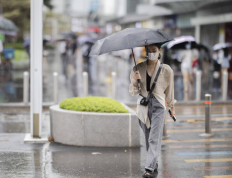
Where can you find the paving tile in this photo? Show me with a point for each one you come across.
(199, 140)
(219, 168)
(198, 146)
(204, 153)
(220, 176)
(208, 160)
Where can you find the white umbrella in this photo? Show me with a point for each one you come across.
(6, 24)
(221, 45)
(84, 38)
(179, 40)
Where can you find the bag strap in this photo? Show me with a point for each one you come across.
(154, 83)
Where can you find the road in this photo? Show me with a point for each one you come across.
(183, 153)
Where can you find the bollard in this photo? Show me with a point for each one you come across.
(85, 84)
(198, 85)
(224, 85)
(114, 84)
(25, 87)
(55, 87)
(207, 116)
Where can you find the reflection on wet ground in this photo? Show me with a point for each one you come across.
(18, 121)
(183, 154)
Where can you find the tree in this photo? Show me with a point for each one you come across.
(19, 12)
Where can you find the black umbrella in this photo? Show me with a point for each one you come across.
(201, 46)
(129, 38)
(69, 35)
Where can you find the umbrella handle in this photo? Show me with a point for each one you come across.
(139, 83)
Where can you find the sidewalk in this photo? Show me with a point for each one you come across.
(184, 153)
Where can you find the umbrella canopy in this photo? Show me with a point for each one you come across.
(201, 46)
(129, 39)
(6, 24)
(60, 38)
(27, 42)
(85, 39)
(181, 41)
(69, 34)
(221, 45)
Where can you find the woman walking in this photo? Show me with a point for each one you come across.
(151, 117)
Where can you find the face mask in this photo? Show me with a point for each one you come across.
(187, 46)
(153, 56)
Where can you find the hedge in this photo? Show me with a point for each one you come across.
(93, 104)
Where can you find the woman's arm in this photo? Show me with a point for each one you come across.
(133, 88)
(169, 93)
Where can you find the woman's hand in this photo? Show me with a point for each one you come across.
(172, 111)
(136, 76)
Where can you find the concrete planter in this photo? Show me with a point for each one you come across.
(94, 129)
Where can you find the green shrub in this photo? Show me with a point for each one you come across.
(21, 55)
(14, 45)
(93, 104)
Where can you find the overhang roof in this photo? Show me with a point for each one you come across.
(183, 6)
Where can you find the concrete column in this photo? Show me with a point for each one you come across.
(198, 85)
(25, 87)
(224, 85)
(55, 87)
(222, 33)
(85, 84)
(198, 33)
(36, 67)
(114, 84)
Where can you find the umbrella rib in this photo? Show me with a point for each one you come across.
(162, 35)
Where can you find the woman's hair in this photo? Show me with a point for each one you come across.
(157, 44)
(226, 52)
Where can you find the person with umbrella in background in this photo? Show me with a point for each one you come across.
(222, 57)
(142, 77)
(185, 55)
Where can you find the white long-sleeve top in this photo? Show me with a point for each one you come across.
(163, 91)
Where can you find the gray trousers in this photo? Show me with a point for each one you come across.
(153, 135)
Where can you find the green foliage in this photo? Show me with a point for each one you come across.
(14, 45)
(50, 46)
(21, 55)
(19, 12)
(93, 104)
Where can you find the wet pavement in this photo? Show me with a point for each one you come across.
(184, 154)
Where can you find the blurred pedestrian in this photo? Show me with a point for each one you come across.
(69, 59)
(186, 69)
(74, 46)
(216, 72)
(62, 50)
(1, 50)
(195, 63)
(151, 117)
(86, 48)
(225, 57)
